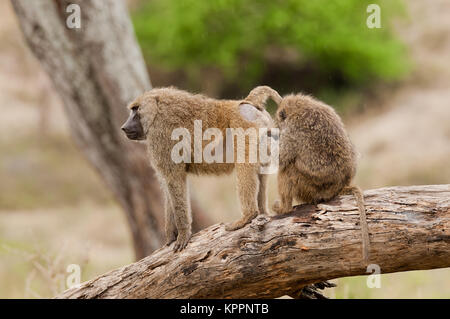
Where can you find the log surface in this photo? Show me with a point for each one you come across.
(274, 256)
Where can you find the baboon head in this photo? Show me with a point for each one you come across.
(291, 110)
(285, 108)
(133, 127)
(142, 113)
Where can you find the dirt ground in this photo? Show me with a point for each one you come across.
(54, 212)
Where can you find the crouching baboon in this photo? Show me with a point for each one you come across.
(163, 116)
(317, 159)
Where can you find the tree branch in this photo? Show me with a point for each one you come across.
(275, 256)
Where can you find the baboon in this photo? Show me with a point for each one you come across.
(156, 114)
(317, 159)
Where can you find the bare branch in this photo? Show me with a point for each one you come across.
(275, 256)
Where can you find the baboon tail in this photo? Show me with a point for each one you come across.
(356, 191)
(259, 96)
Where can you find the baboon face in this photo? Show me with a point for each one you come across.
(143, 111)
(133, 126)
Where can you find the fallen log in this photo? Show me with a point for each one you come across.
(278, 255)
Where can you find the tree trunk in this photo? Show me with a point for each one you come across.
(97, 70)
(275, 256)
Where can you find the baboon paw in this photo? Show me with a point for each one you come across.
(171, 237)
(181, 242)
(234, 226)
(170, 240)
(263, 211)
(276, 207)
(240, 223)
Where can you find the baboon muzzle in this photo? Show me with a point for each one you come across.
(133, 127)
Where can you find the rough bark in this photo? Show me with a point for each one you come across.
(97, 70)
(274, 256)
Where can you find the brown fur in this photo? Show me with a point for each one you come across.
(165, 109)
(317, 158)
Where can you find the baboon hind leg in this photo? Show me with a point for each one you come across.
(262, 194)
(284, 205)
(247, 185)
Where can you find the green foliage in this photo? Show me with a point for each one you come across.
(234, 35)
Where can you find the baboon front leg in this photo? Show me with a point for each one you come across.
(170, 227)
(284, 205)
(247, 186)
(179, 198)
(262, 194)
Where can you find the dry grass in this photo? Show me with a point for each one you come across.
(46, 172)
(37, 246)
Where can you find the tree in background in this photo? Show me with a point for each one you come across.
(296, 44)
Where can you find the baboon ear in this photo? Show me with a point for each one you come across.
(282, 115)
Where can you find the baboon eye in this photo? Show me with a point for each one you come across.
(282, 115)
(135, 108)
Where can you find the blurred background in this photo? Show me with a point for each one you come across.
(390, 85)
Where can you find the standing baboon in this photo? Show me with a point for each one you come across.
(160, 113)
(317, 158)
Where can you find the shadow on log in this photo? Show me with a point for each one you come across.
(275, 256)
